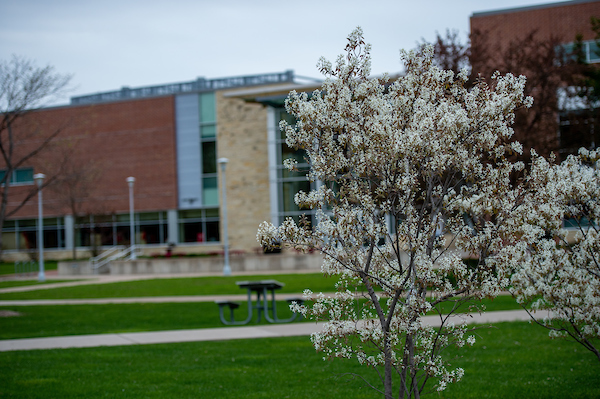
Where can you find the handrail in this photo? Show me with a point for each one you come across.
(106, 253)
(109, 255)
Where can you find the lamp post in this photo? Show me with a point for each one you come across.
(227, 268)
(130, 182)
(39, 179)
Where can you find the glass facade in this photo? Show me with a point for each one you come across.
(199, 225)
(110, 230)
(21, 235)
(290, 182)
(208, 148)
(19, 176)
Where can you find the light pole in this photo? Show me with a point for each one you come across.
(226, 269)
(39, 179)
(130, 181)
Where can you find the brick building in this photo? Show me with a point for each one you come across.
(563, 19)
(169, 138)
(528, 40)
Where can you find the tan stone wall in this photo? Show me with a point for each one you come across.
(242, 138)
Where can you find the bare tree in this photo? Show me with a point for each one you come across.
(76, 180)
(24, 87)
(449, 51)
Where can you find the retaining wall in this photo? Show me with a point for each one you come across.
(213, 264)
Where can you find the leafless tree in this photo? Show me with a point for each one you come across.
(75, 183)
(24, 87)
(450, 52)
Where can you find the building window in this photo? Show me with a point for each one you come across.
(208, 149)
(19, 176)
(196, 132)
(591, 51)
(199, 225)
(111, 230)
(288, 182)
(578, 128)
(21, 235)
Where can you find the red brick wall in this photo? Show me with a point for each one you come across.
(114, 141)
(563, 21)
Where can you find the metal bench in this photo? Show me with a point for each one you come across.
(231, 305)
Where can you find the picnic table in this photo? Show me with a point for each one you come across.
(263, 304)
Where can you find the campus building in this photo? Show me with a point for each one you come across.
(504, 39)
(169, 139)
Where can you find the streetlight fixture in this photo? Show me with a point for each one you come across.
(227, 268)
(130, 181)
(39, 179)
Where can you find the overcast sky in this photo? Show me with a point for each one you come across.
(113, 43)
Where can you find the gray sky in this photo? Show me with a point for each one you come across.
(113, 43)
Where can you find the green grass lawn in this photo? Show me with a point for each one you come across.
(514, 360)
(294, 283)
(9, 267)
(24, 283)
(42, 321)
(46, 321)
(519, 360)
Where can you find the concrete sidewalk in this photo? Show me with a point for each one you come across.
(218, 334)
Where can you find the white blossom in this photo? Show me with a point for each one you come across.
(407, 192)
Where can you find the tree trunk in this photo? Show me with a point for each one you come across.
(407, 387)
(387, 381)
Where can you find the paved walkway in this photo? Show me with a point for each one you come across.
(161, 337)
(215, 334)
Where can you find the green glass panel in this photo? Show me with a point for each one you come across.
(212, 212)
(51, 222)
(208, 130)
(284, 116)
(594, 52)
(191, 214)
(24, 175)
(209, 157)
(285, 173)
(207, 107)
(289, 191)
(27, 223)
(8, 224)
(147, 216)
(287, 152)
(120, 218)
(2, 174)
(210, 191)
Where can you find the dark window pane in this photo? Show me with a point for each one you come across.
(209, 157)
(289, 191)
(192, 232)
(212, 231)
(287, 152)
(150, 234)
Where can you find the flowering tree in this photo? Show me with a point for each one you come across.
(559, 272)
(401, 167)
